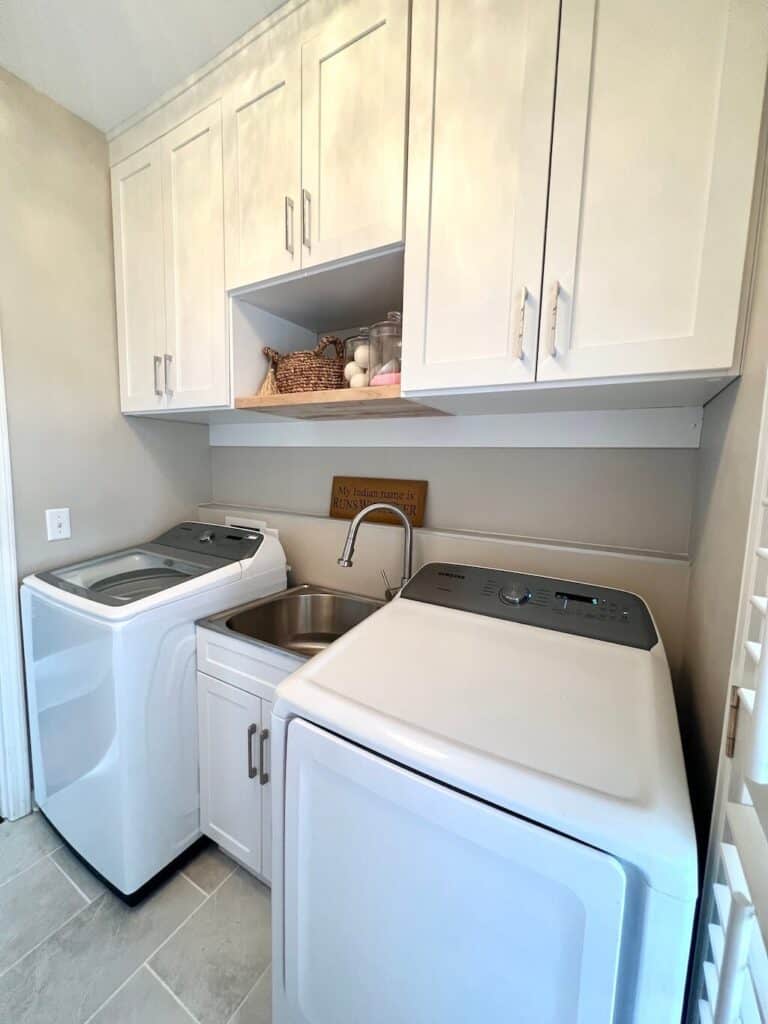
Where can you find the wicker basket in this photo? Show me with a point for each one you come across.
(309, 371)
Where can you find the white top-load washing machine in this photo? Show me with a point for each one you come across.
(481, 813)
(109, 650)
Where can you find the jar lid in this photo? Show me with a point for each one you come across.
(391, 326)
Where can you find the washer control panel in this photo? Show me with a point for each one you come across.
(229, 543)
(578, 608)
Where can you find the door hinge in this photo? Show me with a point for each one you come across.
(733, 718)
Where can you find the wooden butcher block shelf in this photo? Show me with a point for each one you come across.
(338, 404)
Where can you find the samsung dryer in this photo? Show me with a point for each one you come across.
(109, 651)
(481, 813)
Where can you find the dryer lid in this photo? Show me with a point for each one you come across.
(576, 733)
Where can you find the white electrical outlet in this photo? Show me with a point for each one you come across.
(57, 523)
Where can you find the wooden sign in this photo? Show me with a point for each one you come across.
(350, 494)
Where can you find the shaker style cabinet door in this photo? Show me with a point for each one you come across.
(197, 349)
(652, 179)
(262, 125)
(137, 214)
(482, 92)
(230, 793)
(353, 131)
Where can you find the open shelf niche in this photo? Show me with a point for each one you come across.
(291, 313)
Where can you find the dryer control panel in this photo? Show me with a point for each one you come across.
(599, 613)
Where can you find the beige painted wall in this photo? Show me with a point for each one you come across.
(627, 499)
(721, 514)
(124, 479)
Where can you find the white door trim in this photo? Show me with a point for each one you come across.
(15, 788)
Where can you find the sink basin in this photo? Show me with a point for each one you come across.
(303, 620)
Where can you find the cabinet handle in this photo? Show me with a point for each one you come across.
(289, 230)
(553, 329)
(252, 770)
(167, 360)
(521, 324)
(158, 362)
(262, 740)
(306, 219)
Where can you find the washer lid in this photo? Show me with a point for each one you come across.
(180, 554)
(575, 733)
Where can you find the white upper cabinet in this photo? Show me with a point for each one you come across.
(137, 212)
(167, 203)
(482, 91)
(197, 367)
(262, 116)
(653, 163)
(354, 75)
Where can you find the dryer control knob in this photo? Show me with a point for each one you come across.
(515, 593)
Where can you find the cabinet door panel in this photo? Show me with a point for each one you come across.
(198, 373)
(482, 89)
(353, 131)
(652, 178)
(262, 119)
(137, 215)
(230, 801)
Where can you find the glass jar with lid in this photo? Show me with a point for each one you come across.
(386, 346)
(357, 359)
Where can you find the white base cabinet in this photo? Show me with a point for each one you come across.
(236, 681)
(234, 771)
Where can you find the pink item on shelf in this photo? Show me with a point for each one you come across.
(384, 378)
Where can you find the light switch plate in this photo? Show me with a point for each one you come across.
(57, 523)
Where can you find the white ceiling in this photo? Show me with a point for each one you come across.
(108, 59)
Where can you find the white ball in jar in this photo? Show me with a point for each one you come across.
(350, 370)
(359, 380)
(363, 356)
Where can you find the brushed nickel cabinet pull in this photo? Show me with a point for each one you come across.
(168, 359)
(262, 741)
(553, 331)
(521, 324)
(289, 221)
(158, 362)
(252, 769)
(306, 219)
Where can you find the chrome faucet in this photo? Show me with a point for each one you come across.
(354, 526)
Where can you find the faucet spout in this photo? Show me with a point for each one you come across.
(345, 560)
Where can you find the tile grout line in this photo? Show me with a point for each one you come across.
(44, 939)
(112, 995)
(243, 1001)
(157, 949)
(30, 866)
(191, 882)
(170, 991)
(70, 880)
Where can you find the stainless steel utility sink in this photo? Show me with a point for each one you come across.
(303, 620)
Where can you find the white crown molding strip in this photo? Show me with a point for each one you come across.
(634, 428)
(15, 789)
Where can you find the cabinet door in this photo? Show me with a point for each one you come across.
(229, 721)
(482, 92)
(653, 164)
(265, 778)
(353, 131)
(137, 215)
(262, 118)
(197, 347)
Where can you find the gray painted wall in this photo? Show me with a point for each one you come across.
(628, 499)
(721, 515)
(124, 479)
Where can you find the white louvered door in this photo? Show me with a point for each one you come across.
(730, 975)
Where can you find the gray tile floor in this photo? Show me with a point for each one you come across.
(198, 949)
